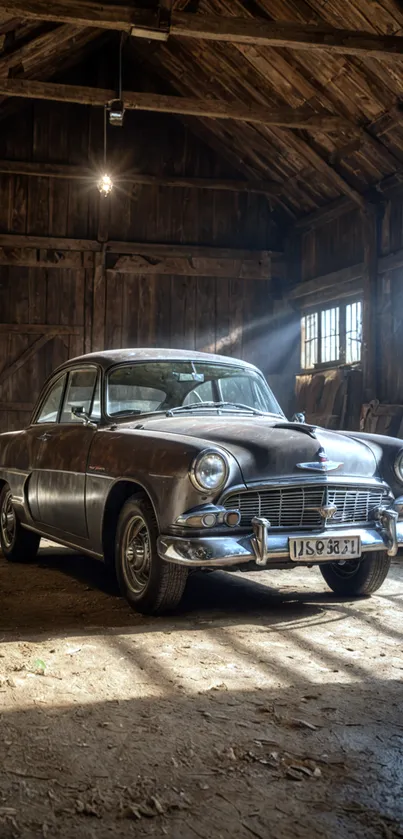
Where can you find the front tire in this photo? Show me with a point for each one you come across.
(149, 584)
(357, 579)
(16, 543)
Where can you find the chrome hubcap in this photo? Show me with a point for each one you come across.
(137, 555)
(7, 521)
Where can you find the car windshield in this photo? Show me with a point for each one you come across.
(185, 386)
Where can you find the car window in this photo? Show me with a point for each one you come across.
(49, 411)
(79, 393)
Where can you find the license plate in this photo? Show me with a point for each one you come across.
(329, 549)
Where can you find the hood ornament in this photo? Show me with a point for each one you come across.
(323, 464)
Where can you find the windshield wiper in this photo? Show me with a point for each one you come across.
(199, 406)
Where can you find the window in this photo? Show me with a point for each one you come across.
(80, 391)
(49, 411)
(151, 386)
(332, 335)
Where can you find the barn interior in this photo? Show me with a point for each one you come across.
(226, 176)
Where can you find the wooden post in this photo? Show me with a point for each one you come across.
(370, 343)
(99, 295)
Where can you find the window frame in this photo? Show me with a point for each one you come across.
(79, 368)
(66, 375)
(341, 305)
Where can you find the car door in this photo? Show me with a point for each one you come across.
(62, 458)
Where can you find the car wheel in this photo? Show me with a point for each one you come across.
(148, 583)
(357, 579)
(16, 542)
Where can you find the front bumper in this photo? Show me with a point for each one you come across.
(265, 547)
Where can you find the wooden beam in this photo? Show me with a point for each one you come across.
(256, 31)
(260, 32)
(40, 328)
(16, 240)
(193, 267)
(335, 280)
(52, 252)
(81, 173)
(154, 249)
(31, 258)
(284, 117)
(25, 356)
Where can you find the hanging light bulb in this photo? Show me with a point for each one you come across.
(105, 183)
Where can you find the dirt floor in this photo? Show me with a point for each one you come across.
(263, 708)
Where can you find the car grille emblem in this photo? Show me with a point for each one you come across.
(323, 464)
(327, 512)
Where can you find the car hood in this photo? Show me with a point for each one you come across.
(267, 447)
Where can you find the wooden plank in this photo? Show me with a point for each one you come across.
(256, 31)
(17, 406)
(334, 279)
(369, 354)
(87, 175)
(193, 267)
(40, 328)
(30, 257)
(99, 300)
(156, 249)
(25, 356)
(17, 240)
(284, 117)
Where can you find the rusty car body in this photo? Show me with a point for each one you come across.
(163, 461)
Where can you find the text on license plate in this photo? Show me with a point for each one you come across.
(329, 548)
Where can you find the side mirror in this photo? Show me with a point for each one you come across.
(298, 417)
(79, 412)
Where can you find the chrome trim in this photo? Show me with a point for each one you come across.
(234, 550)
(398, 505)
(192, 471)
(295, 480)
(259, 541)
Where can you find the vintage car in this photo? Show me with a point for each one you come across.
(163, 461)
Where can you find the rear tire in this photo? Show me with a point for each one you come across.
(16, 542)
(149, 584)
(357, 579)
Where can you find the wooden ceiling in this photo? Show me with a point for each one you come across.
(311, 106)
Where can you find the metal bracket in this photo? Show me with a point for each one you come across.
(158, 31)
(259, 540)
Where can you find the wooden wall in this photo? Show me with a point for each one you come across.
(232, 316)
(328, 253)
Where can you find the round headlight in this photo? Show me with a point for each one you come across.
(209, 471)
(399, 467)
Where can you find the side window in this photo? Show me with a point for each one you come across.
(50, 408)
(80, 389)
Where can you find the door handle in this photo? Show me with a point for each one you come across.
(44, 437)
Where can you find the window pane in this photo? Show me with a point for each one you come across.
(353, 332)
(309, 341)
(79, 393)
(330, 337)
(51, 405)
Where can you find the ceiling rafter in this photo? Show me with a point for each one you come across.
(258, 32)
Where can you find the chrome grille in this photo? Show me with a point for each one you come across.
(293, 507)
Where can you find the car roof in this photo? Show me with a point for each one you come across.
(108, 358)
